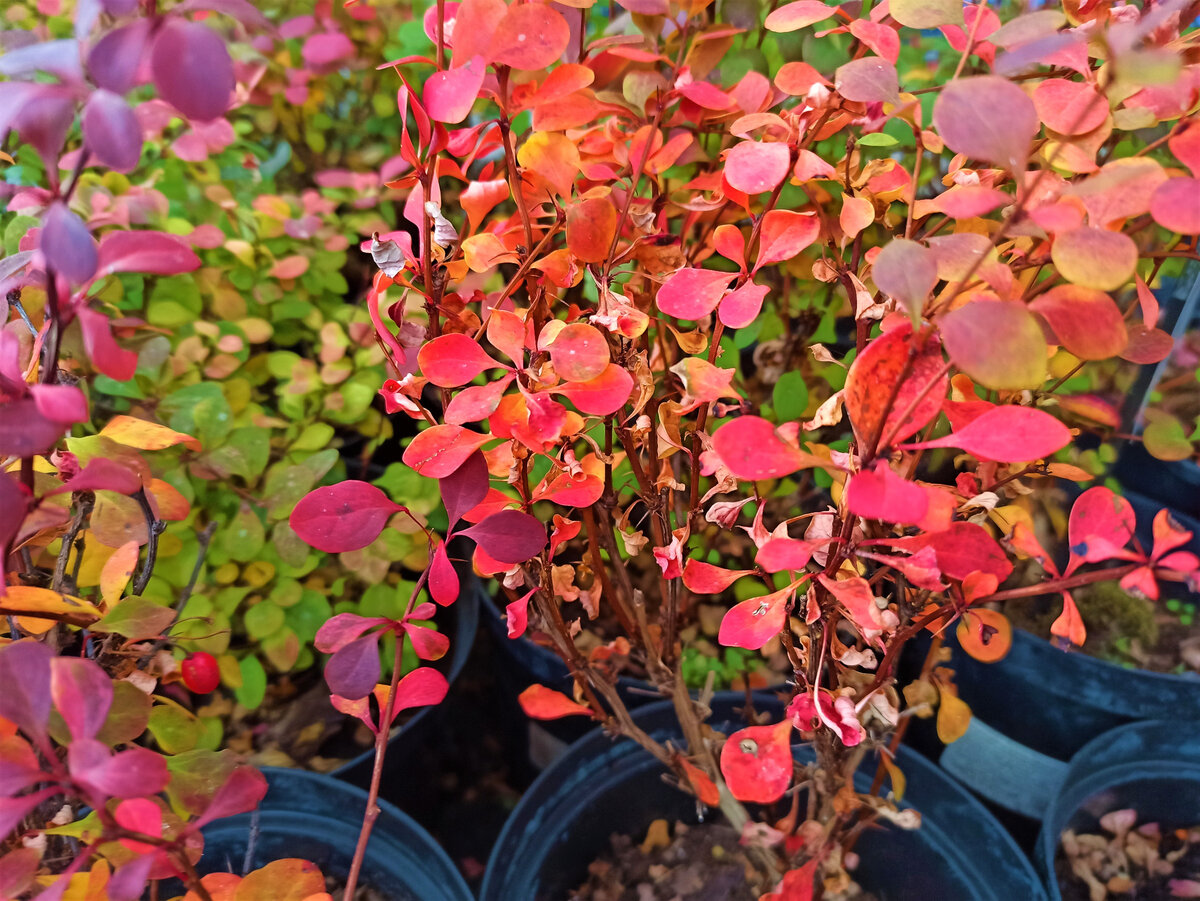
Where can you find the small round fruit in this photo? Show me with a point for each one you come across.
(200, 673)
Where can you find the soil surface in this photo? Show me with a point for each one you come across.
(696, 863)
(1140, 865)
(1160, 636)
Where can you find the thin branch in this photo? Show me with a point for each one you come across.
(154, 528)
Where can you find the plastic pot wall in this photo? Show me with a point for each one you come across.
(317, 818)
(1152, 767)
(601, 787)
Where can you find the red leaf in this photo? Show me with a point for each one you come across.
(1173, 205)
(1007, 434)
(753, 167)
(796, 885)
(441, 449)
(343, 517)
(704, 578)
(135, 773)
(1101, 524)
(798, 14)
(1069, 107)
(604, 394)
(1147, 345)
(544, 703)
(906, 271)
(450, 94)
(876, 370)
(1085, 321)
(516, 615)
(751, 624)
(741, 306)
(154, 253)
(476, 402)
(509, 536)
(443, 580)
(757, 762)
(64, 404)
(192, 69)
(856, 596)
(783, 235)
(240, 793)
(879, 493)
(423, 687)
(106, 355)
(139, 815)
(986, 117)
(692, 293)
(325, 49)
(868, 80)
(778, 554)
(752, 449)
(82, 694)
(962, 549)
(428, 644)
(101, 473)
(452, 360)
(530, 36)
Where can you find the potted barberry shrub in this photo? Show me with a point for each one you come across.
(568, 327)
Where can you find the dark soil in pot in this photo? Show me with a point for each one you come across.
(566, 819)
(703, 862)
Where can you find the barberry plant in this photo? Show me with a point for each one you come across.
(635, 241)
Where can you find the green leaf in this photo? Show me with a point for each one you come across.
(128, 716)
(263, 619)
(877, 139)
(790, 397)
(200, 410)
(136, 619)
(254, 683)
(243, 538)
(175, 729)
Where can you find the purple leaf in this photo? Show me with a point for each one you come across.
(443, 580)
(120, 7)
(136, 773)
(240, 793)
(323, 50)
(110, 358)
(113, 61)
(508, 536)
(63, 404)
(13, 99)
(192, 69)
(59, 58)
(129, 880)
(25, 675)
(344, 628)
(111, 131)
(343, 517)
(67, 244)
(45, 121)
(24, 431)
(464, 488)
(150, 252)
(13, 810)
(100, 473)
(82, 693)
(236, 9)
(13, 497)
(353, 672)
(18, 766)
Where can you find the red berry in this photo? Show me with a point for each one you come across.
(201, 673)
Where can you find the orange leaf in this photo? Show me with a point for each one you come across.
(544, 703)
(117, 571)
(985, 634)
(289, 879)
(702, 785)
(591, 224)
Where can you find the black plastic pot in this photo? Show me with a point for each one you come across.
(1036, 708)
(398, 783)
(1152, 767)
(317, 818)
(601, 787)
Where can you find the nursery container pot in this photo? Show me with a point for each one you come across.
(1152, 767)
(317, 818)
(601, 787)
